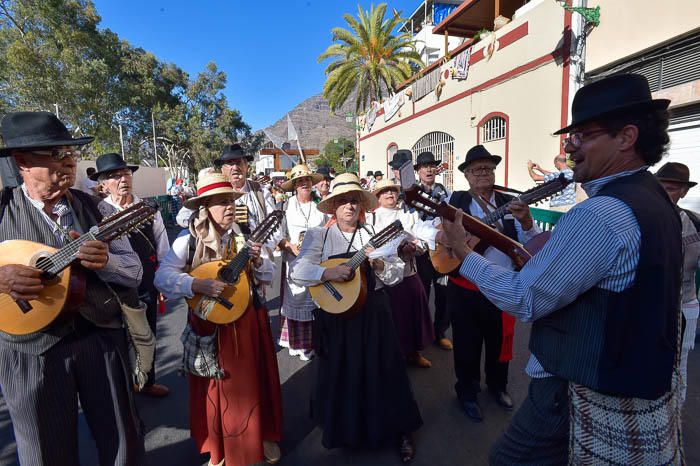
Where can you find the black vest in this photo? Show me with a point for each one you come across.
(143, 242)
(463, 200)
(624, 343)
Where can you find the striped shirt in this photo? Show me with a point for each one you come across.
(595, 244)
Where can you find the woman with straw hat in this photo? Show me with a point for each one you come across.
(362, 394)
(236, 416)
(300, 214)
(409, 303)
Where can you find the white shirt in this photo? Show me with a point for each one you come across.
(159, 232)
(173, 282)
(306, 269)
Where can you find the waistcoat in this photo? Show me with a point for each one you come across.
(623, 343)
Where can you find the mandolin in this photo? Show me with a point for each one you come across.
(349, 297)
(234, 300)
(445, 263)
(63, 287)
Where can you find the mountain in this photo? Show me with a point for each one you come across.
(315, 124)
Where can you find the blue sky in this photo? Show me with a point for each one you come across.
(268, 49)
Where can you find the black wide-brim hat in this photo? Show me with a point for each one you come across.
(425, 158)
(110, 162)
(35, 130)
(478, 152)
(325, 172)
(400, 157)
(614, 94)
(232, 152)
(675, 173)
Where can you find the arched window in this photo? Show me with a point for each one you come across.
(390, 151)
(442, 145)
(493, 129)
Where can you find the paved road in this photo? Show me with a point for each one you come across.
(447, 437)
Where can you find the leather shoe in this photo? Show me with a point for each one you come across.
(503, 399)
(272, 452)
(472, 410)
(419, 360)
(407, 450)
(445, 344)
(155, 390)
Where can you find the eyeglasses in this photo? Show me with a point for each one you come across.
(577, 139)
(58, 154)
(222, 202)
(119, 175)
(481, 170)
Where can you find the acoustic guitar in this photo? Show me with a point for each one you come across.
(64, 286)
(445, 263)
(235, 298)
(349, 297)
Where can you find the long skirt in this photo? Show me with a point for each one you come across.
(230, 418)
(411, 312)
(362, 394)
(296, 334)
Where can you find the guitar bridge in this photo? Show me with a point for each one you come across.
(333, 291)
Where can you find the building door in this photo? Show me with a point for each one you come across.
(684, 132)
(442, 145)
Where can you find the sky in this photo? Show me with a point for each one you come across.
(268, 49)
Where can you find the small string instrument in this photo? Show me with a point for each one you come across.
(233, 301)
(349, 297)
(64, 285)
(445, 263)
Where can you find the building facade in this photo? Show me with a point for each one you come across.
(510, 91)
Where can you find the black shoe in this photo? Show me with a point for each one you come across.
(503, 399)
(407, 449)
(472, 410)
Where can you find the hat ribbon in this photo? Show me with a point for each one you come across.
(354, 183)
(221, 184)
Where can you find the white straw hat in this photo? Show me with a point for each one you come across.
(383, 185)
(209, 185)
(298, 172)
(347, 183)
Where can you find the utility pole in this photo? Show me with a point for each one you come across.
(155, 146)
(56, 107)
(121, 139)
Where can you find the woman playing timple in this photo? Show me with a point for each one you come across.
(362, 394)
(236, 419)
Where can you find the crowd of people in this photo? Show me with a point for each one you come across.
(613, 314)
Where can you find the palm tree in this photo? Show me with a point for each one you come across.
(368, 59)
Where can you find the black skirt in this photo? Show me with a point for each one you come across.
(362, 395)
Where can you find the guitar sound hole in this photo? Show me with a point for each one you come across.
(45, 264)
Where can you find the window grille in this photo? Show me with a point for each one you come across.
(494, 129)
(442, 145)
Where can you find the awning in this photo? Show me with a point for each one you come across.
(473, 15)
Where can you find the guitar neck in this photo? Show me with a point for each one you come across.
(63, 258)
(358, 257)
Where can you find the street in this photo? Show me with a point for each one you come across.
(447, 437)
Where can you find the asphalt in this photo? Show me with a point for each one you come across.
(447, 437)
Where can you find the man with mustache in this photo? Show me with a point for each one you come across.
(81, 355)
(603, 295)
(150, 242)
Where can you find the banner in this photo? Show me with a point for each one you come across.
(392, 105)
(426, 84)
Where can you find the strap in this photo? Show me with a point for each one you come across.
(7, 195)
(191, 248)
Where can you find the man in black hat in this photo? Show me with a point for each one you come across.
(323, 187)
(233, 163)
(425, 167)
(80, 355)
(476, 322)
(675, 179)
(150, 242)
(602, 295)
(399, 158)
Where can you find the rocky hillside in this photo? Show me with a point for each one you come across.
(315, 123)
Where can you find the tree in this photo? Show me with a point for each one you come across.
(337, 153)
(367, 58)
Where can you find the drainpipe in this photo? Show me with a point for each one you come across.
(577, 69)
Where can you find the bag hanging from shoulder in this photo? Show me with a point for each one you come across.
(142, 343)
(199, 355)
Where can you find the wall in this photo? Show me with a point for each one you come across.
(148, 181)
(628, 28)
(523, 79)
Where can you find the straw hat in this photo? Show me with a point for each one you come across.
(347, 183)
(298, 172)
(384, 185)
(209, 185)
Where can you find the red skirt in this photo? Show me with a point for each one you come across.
(230, 418)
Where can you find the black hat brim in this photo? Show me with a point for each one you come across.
(6, 151)
(96, 175)
(220, 161)
(494, 158)
(690, 184)
(657, 104)
(434, 163)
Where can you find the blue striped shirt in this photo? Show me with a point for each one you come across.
(595, 244)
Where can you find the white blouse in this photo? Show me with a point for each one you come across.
(299, 218)
(307, 271)
(173, 282)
